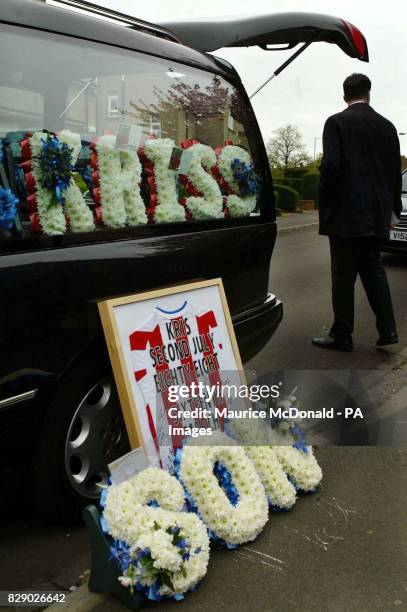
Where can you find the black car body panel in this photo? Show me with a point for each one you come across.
(50, 284)
(49, 317)
(47, 307)
(37, 15)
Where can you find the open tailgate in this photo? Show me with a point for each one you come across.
(264, 30)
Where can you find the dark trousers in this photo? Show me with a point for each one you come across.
(350, 257)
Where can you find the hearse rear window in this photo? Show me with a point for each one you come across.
(96, 137)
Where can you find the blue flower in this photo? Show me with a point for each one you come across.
(103, 525)
(125, 561)
(301, 445)
(153, 593)
(55, 163)
(245, 175)
(300, 441)
(103, 496)
(177, 462)
(8, 208)
(225, 480)
(178, 596)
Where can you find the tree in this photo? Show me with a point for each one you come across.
(286, 149)
(197, 103)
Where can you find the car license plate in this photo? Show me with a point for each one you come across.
(398, 235)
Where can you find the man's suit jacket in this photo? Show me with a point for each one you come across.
(360, 174)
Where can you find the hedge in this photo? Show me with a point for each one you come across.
(295, 172)
(288, 198)
(277, 199)
(294, 183)
(310, 186)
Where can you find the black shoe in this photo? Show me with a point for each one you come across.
(388, 339)
(336, 344)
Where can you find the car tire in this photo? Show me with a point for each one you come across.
(82, 433)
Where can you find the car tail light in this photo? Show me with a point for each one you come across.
(357, 38)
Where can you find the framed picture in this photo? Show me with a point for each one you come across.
(171, 338)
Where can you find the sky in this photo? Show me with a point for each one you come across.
(310, 89)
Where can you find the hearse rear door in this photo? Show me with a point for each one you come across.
(271, 32)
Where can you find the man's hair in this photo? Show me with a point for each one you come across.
(356, 86)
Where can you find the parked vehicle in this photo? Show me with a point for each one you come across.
(70, 84)
(397, 242)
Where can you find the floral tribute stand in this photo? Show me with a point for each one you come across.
(104, 572)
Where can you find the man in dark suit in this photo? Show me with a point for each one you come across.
(360, 190)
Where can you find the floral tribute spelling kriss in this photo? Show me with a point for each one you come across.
(160, 530)
(53, 195)
(129, 187)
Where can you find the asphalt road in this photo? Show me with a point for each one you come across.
(300, 276)
(341, 549)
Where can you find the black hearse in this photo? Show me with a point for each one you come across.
(90, 78)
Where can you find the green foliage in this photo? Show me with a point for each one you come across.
(294, 183)
(310, 186)
(80, 182)
(277, 199)
(276, 172)
(282, 181)
(295, 173)
(288, 198)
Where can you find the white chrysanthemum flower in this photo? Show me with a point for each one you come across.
(278, 463)
(238, 206)
(119, 179)
(126, 581)
(52, 217)
(168, 210)
(233, 524)
(302, 467)
(73, 141)
(130, 519)
(209, 206)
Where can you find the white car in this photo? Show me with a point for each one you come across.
(398, 234)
